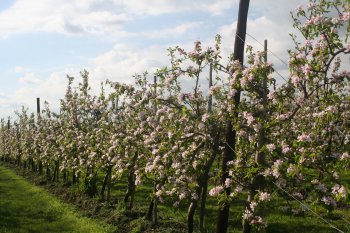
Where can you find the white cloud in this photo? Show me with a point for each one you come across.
(97, 17)
(158, 7)
(68, 17)
(123, 61)
(29, 78)
(170, 32)
(18, 69)
(51, 89)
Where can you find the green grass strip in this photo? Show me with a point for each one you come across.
(27, 208)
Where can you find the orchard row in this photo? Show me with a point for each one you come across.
(171, 129)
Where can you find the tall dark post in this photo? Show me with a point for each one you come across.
(229, 152)
(265, 50)
(8, 124)
(40, 165)
(38, 106)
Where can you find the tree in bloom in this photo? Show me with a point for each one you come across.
(292, 140)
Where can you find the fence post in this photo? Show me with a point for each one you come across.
(38, 106)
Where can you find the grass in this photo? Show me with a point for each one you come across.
(279, 217)
(27, 208)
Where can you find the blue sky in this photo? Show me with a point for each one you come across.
(41, 41)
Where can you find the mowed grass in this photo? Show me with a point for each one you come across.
(27, 208)
(278, 216)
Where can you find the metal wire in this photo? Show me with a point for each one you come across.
(275, 55)
(308, 208)
(268, 51)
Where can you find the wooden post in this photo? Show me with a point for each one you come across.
(230, 145)
(38, 106)
(265, 50)
(40, 165)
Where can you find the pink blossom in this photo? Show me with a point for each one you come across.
(182, 195)
(344, 156)
(253, 205)
(329, 201)
(307, 69)
(138, 180)
(228, 182)
(213, 89)
(247, 215)
(205, 117)
(285, 149)
(339, 191)
(214, 192)
(238, 189)
(257, 221)
(295, 80)
(271, 147)
(304, 138)
(346, 16)
(201, 126)
(159, 193)
(271, 95)
(264, 196)
(249, 117)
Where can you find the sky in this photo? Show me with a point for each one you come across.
(43, 41)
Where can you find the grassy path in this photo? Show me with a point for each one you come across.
(27, 208)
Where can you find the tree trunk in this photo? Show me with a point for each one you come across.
(152, 213)
(73, 177)
(155, 213)
(190, 215)
(150, 210)
(32, 164)
(105, 182)
(56, 172)
(203, 204)
(40, 168)
(48, 172)
(130, 193)
(64, 176)
(109, 188)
